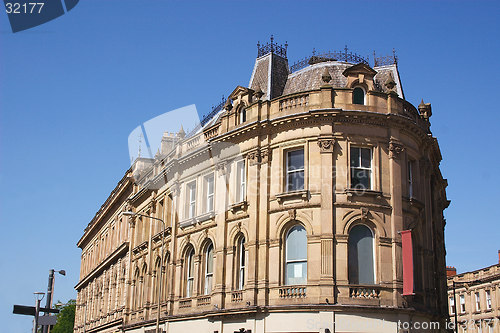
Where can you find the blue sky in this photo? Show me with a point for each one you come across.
(73, 89)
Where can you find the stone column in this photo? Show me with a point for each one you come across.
(253, 265)
(220, 278)
(395, 149)
(326, 146)
(262, 253)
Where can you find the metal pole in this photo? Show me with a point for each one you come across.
(456, 307)
(160, 277)
(50, 290)
(37, 311)
(161, 265)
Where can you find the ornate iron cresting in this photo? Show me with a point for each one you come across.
(206, 118)
(344, 55)
(385, 60)
(271, 47)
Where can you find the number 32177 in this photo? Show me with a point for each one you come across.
(25, 8)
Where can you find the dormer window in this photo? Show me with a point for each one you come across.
(358, 96)
(242, 116)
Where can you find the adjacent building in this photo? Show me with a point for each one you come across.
(474, 299)
(285, 212)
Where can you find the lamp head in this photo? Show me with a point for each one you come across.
(62, 272)
(39, 295)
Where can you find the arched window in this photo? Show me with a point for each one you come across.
(189, 273)
(144, 286)
(296, 256)
(209, 269)
(136, 282)
(240, 263)
(156, 279)
(242, 115)
(361, 259)
(164, 286)
(358, 96)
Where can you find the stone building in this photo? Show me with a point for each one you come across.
(296, 229)
(477, 294)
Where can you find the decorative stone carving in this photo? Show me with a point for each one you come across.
(326, 145)
(395, 149)
(222, 168)
(175, 189)
(253, 157)
(364, 213)
(326, 77)
(265, 155)
(292, 213)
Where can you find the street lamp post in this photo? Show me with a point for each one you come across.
(129, 213)
(38, 296)
(455, 300)
(50, 292)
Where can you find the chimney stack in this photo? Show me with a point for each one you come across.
(451, 271)
(499, 257)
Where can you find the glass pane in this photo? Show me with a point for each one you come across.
(210, 185)
(210, 259)
(361, 266)
(296, 159)
(360, 179)
(358, 96)
(192, 192)
(354, 157)
(242, 253)
(296, 244)
(296, 273)
(189, 288)
(366, 157)
(190, 265)
(296, 181)
(210, 206)
(208, 284)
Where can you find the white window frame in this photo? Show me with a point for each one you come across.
(452, 305)
(210, 196)
(288, 171)
(191, 199)
(241, 263)
(294, 261)
(240, 181)
(462, 303)
(242, 115)
(189, 274)
(208, 275)
(477, 299)
(370, 169)
(488, 299)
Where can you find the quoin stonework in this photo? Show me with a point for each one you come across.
(323, 212)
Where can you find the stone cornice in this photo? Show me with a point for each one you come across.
(122, 185)
(110, 259)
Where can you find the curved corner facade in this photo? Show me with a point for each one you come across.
(295, 227)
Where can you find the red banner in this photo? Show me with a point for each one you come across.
(407, 262)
